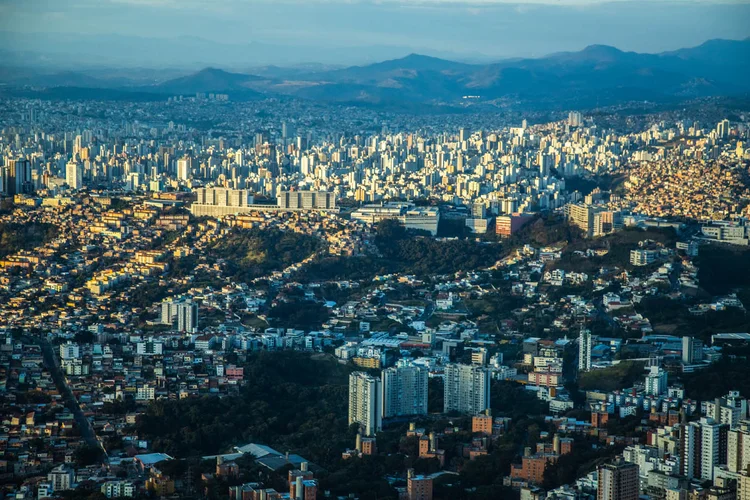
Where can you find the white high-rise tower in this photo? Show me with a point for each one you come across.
(584, 350)
(467, 388)
(74, 174)
(365, 400)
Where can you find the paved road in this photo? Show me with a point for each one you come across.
(53, 364)
(428, 311)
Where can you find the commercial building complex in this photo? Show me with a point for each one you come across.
(421, 218)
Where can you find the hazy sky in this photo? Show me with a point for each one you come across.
(494, 28)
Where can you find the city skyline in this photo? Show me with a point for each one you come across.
(361, 250)
(412, 295)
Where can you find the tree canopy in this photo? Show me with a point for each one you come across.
(15, 236)
(251, 253)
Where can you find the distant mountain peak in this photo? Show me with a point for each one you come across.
(417, 62)
(602, 49)
(209, 79)
(591, 54)
(210, 70)
(602, 53)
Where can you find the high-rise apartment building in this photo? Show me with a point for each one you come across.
(69, 350)
(306, 200)
(593, 220)
(217, 202)
(581, 216)
(478, 210)
(467, 388)
(287, 130)
(404, 390)
(575, 119)
(182, 314)
(618, 481)
(692, 350)
(187, 317)
(703, 445)
(743, 486)
(16, 177)
(365, 400)
(656, 381)
(584, 350)
(61, 478)
(508, 225)
(119, 489)
(643, 257)
(184, 169)
(730, 410)
(606, 222)
(738, 447)
(74, 175)
(722, 129)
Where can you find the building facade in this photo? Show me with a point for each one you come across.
(618, 481)
(404, 390)
(467, 388)
(365, 402)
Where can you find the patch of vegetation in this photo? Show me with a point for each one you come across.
(512, 399)
(251, 253)
(587, 455)
(718, 379)
(546, 231)
(425, 256)
(150, 293)
(87, 455)
(453, 228)
(618, 246)
(33, 397)
(119, 204)
(293, 402)
(409, 252)
(722, 269)
(304, 314)
(364, 477)
(673, 317)
(619, 376)
(6, 206)
(355, 268)
(299, 403)
(15, 237)
(497, 306)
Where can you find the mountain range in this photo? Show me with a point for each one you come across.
(596, 75)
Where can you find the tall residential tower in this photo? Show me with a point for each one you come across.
(618, 481)
(467, 388)
(404, 390)
(584, 350)
(365, 400)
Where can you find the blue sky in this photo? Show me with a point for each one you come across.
(471, 28)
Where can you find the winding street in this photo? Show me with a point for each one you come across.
(53, 364)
